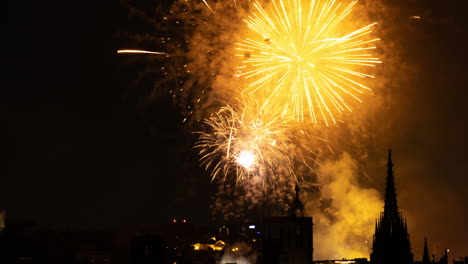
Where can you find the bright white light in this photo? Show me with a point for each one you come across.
(251, 226)
(246, 158)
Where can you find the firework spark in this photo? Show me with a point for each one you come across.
(299, 55)
(246, 141)
(209, 7)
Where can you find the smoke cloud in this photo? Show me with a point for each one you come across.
(345, 215)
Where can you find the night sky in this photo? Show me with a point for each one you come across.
(78, 155)
(81, 154)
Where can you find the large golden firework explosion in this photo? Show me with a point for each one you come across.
(303, 54)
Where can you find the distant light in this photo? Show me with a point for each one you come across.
(174, 221)
(258, 233)
(185, 221)
(415, 17)
(251, 226)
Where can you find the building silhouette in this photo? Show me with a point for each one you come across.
(2, 220)
(426, 259)
(391, 243)
(146, 249)
(288, 239)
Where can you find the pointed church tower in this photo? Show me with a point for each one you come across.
(391, 243)
(391, 204)
(426, 259)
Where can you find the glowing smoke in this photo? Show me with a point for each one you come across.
(345, 217)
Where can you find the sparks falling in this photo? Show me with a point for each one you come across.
(246, 142)
(300, 56)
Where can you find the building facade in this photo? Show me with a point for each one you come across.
(287, 240)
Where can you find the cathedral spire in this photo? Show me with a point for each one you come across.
(391, 243)
(391, 206)
(426, 259)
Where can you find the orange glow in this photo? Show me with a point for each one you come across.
(217, 246)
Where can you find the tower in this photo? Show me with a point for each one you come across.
(426, 259)
(288, 239)
(391, 240)
(297, 207)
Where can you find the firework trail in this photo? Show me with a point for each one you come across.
(297, 51)
(134, 51)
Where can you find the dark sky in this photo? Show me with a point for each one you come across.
(79, 154)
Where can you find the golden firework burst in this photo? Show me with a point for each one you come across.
(301, 55)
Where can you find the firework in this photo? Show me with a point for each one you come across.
(299, 54)
(246, 142)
